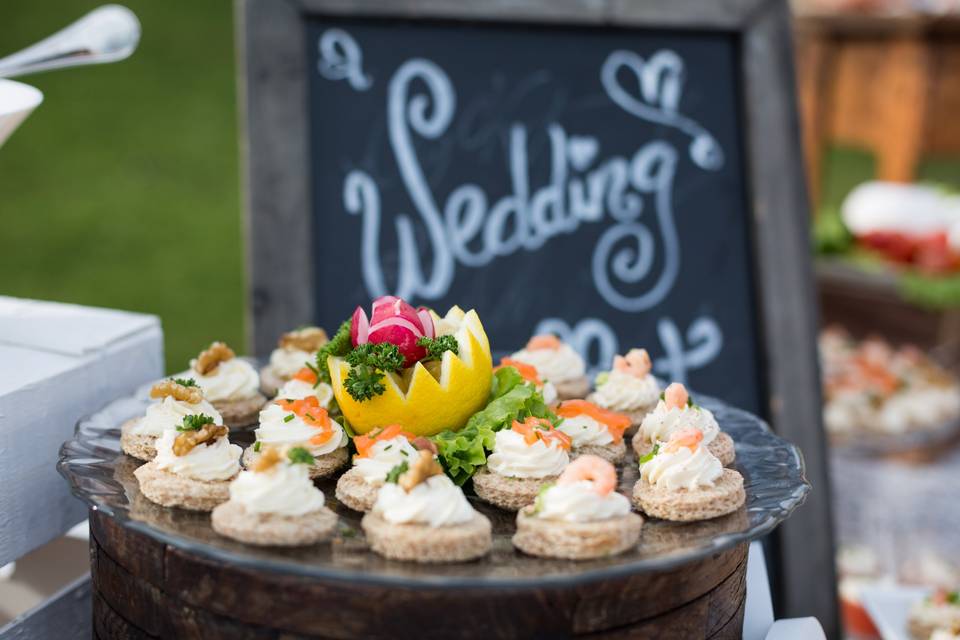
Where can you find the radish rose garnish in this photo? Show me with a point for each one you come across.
(395, 321)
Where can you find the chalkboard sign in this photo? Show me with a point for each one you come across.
(583, 181)
(619, 173)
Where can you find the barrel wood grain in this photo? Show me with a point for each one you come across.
(147, 589)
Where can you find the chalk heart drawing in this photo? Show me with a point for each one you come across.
(597, 343)
(659, 86)
(342, 59)
(581, 150)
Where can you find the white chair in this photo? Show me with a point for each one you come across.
(69, 360)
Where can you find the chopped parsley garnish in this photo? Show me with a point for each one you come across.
(385, 356)
(299, 455)
(339, 345)
(195, 422)
(288, 418)
(256, 446)
(953, 597)
(650, 456)
(436, 346)
(309, 416)
(368, 362)
(394, 474)
(388, 447)
(663, 395)
(364, 382)
(186, 382)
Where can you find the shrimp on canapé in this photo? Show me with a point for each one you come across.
(593, 469)
(676, 396)
(546, 341)
(689, 438)
(636, 363)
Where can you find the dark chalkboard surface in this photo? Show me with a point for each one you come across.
(583, 181)
(624, 173)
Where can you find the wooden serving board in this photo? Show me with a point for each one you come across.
(146, 589)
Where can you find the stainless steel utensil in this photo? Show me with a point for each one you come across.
(107, 34)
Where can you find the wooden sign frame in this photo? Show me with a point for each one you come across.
(273, 80)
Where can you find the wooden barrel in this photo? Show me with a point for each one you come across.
(146, 589)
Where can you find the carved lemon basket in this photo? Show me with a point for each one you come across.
(164, 573)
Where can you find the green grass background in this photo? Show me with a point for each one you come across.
(122, 189)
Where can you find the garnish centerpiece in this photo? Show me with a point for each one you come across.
(408, 366)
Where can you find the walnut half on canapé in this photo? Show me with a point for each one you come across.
(177, 390)
(422, 468)
(269, 456)
(192, 435)
(307, 339)
(210, 358)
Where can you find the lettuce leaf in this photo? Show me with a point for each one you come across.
(462, 452)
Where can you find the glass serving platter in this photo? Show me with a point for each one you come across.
(773, 470)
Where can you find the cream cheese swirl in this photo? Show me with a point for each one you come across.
(384, 456)
(298, 390)
(283, 490)
(437, 502)
(169, 414)
(217, 460)
(663, 422)
(234, 379)
(513, 457)
(682, 468)
(556, 365)
(578, 502)
(279, 429)
(285, 362)
(549, 393)
(585, 431)
(624, 392)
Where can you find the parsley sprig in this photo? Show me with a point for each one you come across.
(394, 474)
(195, 422)
(299, 455)
(186, 382)
(650, 456)
(368, 364)
(339, 345)
(436, 346)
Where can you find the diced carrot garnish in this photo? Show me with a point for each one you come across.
(533, 429)
(616, 423)
(527, 371)
(322, 438)
(317, 417)
(299, 406)
(546, 341)
(365, 442)
(306, 375)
